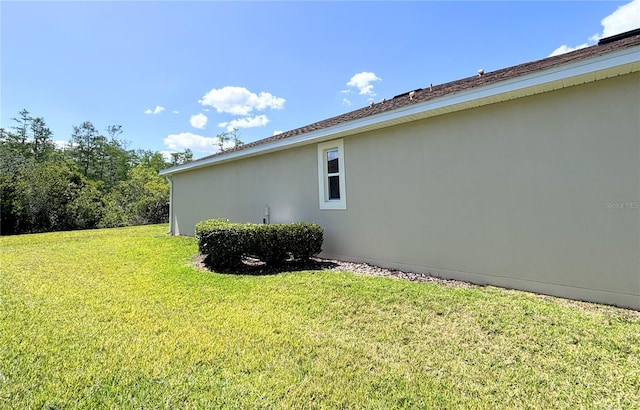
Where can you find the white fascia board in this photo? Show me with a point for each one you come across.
(528, 84)
(514, 87)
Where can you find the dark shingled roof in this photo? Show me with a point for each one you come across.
(606, 45)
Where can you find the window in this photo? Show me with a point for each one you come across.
(331, 181)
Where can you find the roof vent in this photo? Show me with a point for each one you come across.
(617, 37)
(408, 92)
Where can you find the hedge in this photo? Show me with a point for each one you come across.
(226, 243)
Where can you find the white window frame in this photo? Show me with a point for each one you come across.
(323, 176)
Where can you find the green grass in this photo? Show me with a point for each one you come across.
(119, 318)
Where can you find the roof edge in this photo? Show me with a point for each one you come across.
(516, 87)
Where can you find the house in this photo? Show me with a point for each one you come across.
(526, 177)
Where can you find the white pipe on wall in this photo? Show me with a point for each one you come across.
(171, 230)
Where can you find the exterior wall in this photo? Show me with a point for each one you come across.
(285, 181)
(540, 193)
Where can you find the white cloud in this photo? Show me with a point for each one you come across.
(175, 112)
(156, 110)
(362, 81)
(60, 144)
(277, 132)
(565, 49)
(347, 91)
(346, 102)
(198, 121)
(197, 143)
(624, 18)
(167, 155)
(247, 122)
(240, 101)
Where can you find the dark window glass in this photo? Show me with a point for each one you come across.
(332, 161)
(334, 187)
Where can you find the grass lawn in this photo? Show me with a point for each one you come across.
(119, 318)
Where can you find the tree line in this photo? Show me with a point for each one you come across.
(94, 181)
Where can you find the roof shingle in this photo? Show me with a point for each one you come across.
(607, 45)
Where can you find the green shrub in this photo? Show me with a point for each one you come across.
(226, 243)
(205, 229)
(270, 244)
(223, 242)
(305, 240)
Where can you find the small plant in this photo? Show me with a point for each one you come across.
(226, 243)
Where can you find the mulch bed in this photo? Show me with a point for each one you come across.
(252, 266)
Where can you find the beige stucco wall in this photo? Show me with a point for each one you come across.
(540, 193)
(285, 181)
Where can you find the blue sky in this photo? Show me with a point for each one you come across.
(176, 74)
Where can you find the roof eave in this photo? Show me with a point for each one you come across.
(583, 71)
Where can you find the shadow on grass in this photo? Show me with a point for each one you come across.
(250, 266)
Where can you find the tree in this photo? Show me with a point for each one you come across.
(151, 159)
(115, 161)
(114, 131)
(20, 149)
(30, 137)
(227, 136)
(183, 157)
(96, 182)
(42, 141)
(223, 138)
(98, 157)
(83, 143)
(40, 188)
(235, 137)
(54, 196)
(117, 158)
(21, 130)
(141, 199)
